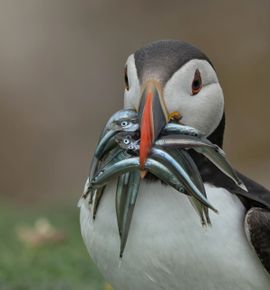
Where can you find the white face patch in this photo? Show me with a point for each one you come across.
(202, 111)
(133, 94)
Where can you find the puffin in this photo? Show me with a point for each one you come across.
(167, 247)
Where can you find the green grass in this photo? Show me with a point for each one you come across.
(57, 266)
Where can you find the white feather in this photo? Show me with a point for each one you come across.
(167, 247)
(202, 111)
(132, 95)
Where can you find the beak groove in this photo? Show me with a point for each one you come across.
(153, 117)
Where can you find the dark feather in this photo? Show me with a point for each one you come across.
(166, 56)
(257, 225)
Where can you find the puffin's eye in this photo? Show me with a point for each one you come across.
(124, 123)
(197, 82)
(126, 80)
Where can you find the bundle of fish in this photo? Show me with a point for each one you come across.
(117, 156)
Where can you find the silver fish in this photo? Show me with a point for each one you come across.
(92, 172)
(107, 142)
(126, 124)
(86, 188)
(117, 155)
(127, 141)
(222, 164)
(123, 118)
(181, 174)
(96, 200)
(132, 193)
(122, 114)
(116, 118)
(183, 141)
(119, 116)
(106, 174)
(182, 157)
(164, 174)
(173, 128)
(189, 165)
(96, 163)
(203, 146)
(130, 118)
(120, 198)
(114, 153)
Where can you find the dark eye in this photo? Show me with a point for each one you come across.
(126, 80)
(197, 82)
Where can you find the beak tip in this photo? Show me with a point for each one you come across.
(143, 173)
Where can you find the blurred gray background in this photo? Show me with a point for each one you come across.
(61, 77)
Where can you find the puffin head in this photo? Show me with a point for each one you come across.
(171, 79)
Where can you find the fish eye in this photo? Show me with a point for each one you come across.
(124, 123)
(126, 141)
(197, 83)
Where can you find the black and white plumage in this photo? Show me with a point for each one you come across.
(175, 251)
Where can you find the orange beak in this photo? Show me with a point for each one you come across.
(153, 117)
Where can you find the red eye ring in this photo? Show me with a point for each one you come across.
(196, 83)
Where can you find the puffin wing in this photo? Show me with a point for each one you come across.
(256, 201)
(257, 227)
(257, 219)
(257, 195)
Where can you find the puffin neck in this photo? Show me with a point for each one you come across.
(217, 136)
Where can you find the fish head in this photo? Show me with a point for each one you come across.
(128, 141)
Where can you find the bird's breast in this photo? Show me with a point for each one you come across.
(168, 248)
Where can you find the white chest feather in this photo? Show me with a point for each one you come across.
(167, 247)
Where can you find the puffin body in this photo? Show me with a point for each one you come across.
(167, 247)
